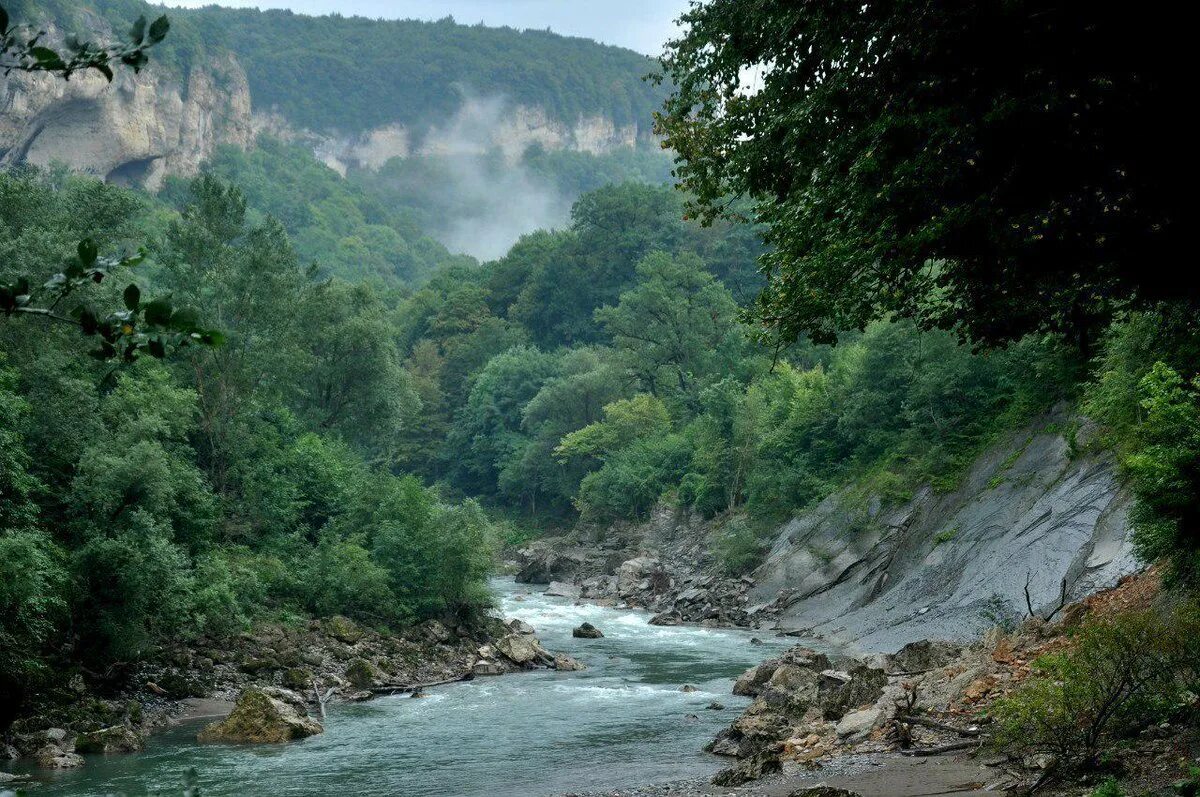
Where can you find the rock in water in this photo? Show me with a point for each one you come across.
(521, 648)
(117, 739)
(587, 631)
(54, 757)
(566, 663)
(362, 674)
(823, 791)
(263, 716)
(562, 589)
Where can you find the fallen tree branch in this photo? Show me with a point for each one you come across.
(322, 699)
(946, 748)
(940, 726)
(396, 689)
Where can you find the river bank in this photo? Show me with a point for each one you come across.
(318, 662)
(536, 732)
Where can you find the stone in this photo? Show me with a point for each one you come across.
(566, 663)
(484, 667)
(715, 706)
(751, 682)
(263, 715)
(821, 790)
(298, 678)
(54, 757)
(362, 674)
(587, 631)
(858, 723)
(117, 739)
(747, 770)
(343, 629)
(518, 626)
(688, 688)
(562, 589)
(521, 648)
(843, 691)
(671, 617)
(56, 736)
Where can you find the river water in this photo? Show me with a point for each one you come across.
(623, 721)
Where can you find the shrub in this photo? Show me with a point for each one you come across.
(739, 547)
(1118, 676)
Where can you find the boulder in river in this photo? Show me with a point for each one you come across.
(587, 631)
(566, 663)
(562, 589)
(54, 757)
(521, 648)
(519, 626)
(487, 667)
(263, 715)
(117, 739)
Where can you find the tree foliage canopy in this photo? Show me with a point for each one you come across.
(996, 168)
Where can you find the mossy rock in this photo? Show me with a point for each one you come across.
(362, 674)
(298, 678)
(343, 629)
(263, 716)
(117, 739)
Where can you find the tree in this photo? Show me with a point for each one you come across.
(675, 328)
(998, 168)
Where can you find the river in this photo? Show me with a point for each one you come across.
(623, 721)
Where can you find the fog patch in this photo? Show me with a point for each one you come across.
(489, 197)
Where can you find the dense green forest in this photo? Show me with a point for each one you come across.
(384, 413)
(348, 74)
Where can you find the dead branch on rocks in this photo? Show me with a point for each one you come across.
(322, 699)
(945, 748)
(396, 689)
(973, 731)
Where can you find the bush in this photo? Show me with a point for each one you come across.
(1118, 676)
(739, 547)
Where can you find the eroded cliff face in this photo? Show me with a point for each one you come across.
(1030, 512)
(140, 128)
(136, 130)
(480, 127)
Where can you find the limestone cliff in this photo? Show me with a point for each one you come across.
(140, 128)
(135, 130)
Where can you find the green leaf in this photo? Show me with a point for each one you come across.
(105, 70)
(3, 20)
(88, 251)
(156, 348)
(137, 34)
(185, 319)
(158, 30)
(133, 297)
(158, 311)
(87, 321)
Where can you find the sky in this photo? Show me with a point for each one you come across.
(641, 25)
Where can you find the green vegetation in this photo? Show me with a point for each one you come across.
(172, 498)
(905, 163)
(1119, 675)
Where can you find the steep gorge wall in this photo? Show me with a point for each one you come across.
(140, 128)
(1035, 511)
(1030, 511)
(136, 130)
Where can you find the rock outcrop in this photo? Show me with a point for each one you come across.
(263, 715)
(1029, 511)
(135, 130)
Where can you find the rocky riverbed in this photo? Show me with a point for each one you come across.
(277, 675)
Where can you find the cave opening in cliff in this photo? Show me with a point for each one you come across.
(134, 174)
